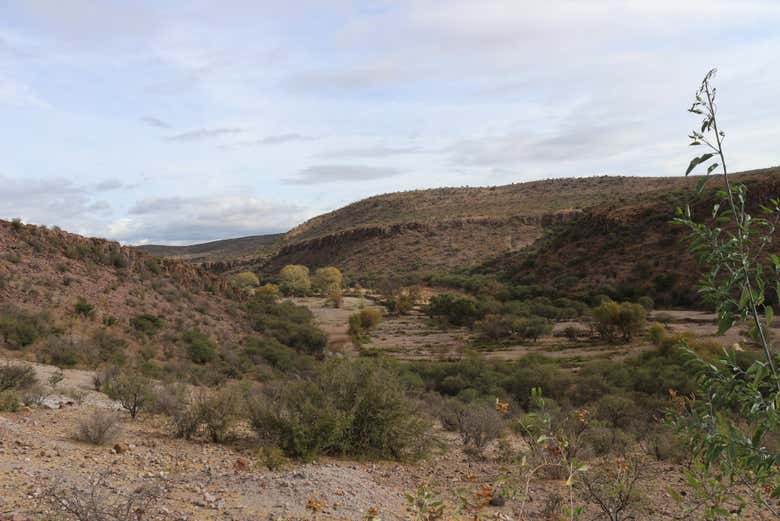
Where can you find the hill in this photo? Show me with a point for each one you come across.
(449, 229)
(227, 252)
(584, 234)
(627, 250)
(71, 301)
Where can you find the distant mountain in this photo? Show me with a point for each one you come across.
(226, 249)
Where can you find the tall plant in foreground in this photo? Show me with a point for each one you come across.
(732, 422)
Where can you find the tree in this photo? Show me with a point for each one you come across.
(295, 280)
(245, 280)
(531, 328)
(327, 280)
(731, 426)
(131, 389)
(613, 320)
(268, 292)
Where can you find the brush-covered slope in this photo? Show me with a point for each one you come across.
(223, 251)
(72, 300)
(627, 249)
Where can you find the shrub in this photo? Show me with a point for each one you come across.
(99, 500)
(131, 389)
(218, 410)
(479, 425)
(147, 324)
(363, 321)
(531, 328)
(16, 377)
(271, 457)
(63, 351)
(495, 327)
(617, 411)
(656, 332)
(199, 347)
(459, 311)
(279, 356)
(10, 401)
(19, 329)
(288, 323)
(604, 440)
(269, 292)
(97, 428)
(646, 302)
(83, 308)
(350, 408)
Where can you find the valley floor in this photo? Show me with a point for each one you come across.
(204, 481)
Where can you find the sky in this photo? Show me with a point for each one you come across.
(186, 121)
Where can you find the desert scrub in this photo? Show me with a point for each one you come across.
(131, 389)
(98, 427)
(362, 322)
(16, 377)
(200, 349)
(351, 407)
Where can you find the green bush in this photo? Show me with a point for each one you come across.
(147, 324)
(20, 329)
(289, 324)
(279, 356)
(353, 408)
(362, 322)
(613, 319)
(83, 308)
(16, 377)
(459, 311)
(131, 389)
(10, 401)
(200, 348)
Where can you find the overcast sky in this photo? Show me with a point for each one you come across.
(193, 120)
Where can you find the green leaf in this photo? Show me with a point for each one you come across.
(700, 184)
(712, 167)
(696, 161)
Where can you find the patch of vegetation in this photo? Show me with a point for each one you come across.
(289, 324)
(353, 408)
(200, 349)
(147, 324)
(19, 329)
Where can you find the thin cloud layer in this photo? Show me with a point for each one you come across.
(341, 173)
(201, 134)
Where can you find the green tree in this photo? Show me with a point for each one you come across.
(295, 280)
(245, 280)
(327, 279)
(732, 424)
(614, 321)
(131, 389)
